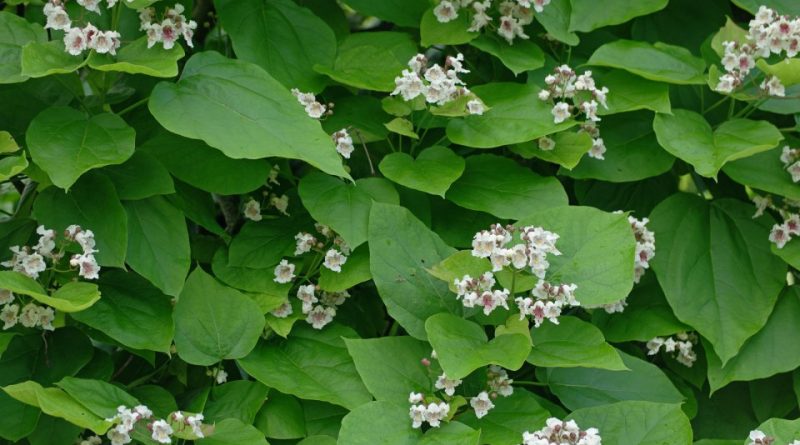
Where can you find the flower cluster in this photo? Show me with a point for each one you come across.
(85, 262)
(313, 108)
(558, 432)
(757, 437)
(437, 84)
(319, 311)
(586, 97)
(344, 143)
(531, 253)
(791, 162)
(160, 430)
(31, 315)
(218, 374)
(479, 291)
(32, 261)
(498, 381)
(173, 26)
(77, 39)
(550, 301)
(513, 15)
(433, 413)
(769, 33)
(681, 345)
(782, 233)
(645, 246)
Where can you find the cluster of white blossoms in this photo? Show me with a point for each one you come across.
(480, 291)
(167, 32)
(32, 261)
(585, 96)
(432, 413)
(790, 157)
(344, 143)
(160, 430)
(85, 262)
(319, 311)
(314, 109)
(513, 15)
(645, 246)
(30, 316)
(558, 432)
(531, 253)
(681, 345)
(549, 301)
(77, 39)
(438, 85)
(769, 33)
(757, 437)
(783, 233)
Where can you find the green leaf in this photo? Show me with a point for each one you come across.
(67, 350)
(597, 249)
(659, 61)
(66, 143)
(132, 312)
(391, 366)
(238, 108)
(570, 148)
(7, 143)
(631, 92)
(11, 166)
(235, 432)
(93, 204)
(788, 70)
(572, 343)
(310, 364)
(454, 32)
(757, 358)
(261, 245)
(727, 292)
(401, 249)
(515, 115)
(688, 135)
(270, 294)
(434, 170)
(731, 32)
(239, 399)
(17, 420)
(781, 6)
(399, 12)
(488, 177)
(510, 417)
(209, 169)
(555, 19)
(789, 253)
(158, 247)
(141, 176)
(343, 206)
(57, 403)
(782, 430)
(137, 58)
(637, 423)
(462, 346)
(378, 423)
(585, 387)
(522, 56)
(40, 59)
(632, 152)
(283, 38)
(372, 60)
(16, 32)
(282, 417)
(355, 271)
(214, 322)
(99, 397)
(363, 116)
(452, 433)
(72, 297)
(586, 17)
(401, 126)
(764, 171)
(319, 440)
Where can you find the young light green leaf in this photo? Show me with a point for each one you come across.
(454, 32)
(587, 17)
(462, 346)
(522, 56)
(238, 108)
(378, 423)
(787, 70)
(572, 343)
(433, 171)
(689, 136)
(310, 364)
(57, 403)
(555, 19)
(137, 58)
(401, 249)
(282, 37)
(401, 126)
(726, 297)
(7, 143)
(16, 33)
(11, 166)
(638, 423)
(764, 171)
(659, 61)
(487, 177)
(72, 297)
(67, 143)
(214, 322)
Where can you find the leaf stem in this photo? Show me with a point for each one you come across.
(716, 104)
(528, 383)
(133, 106)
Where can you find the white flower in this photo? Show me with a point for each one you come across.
(284, 272)
(75, 41)
(306, 293)
(9, 316)
(408, 85)
(46, 318)
(546, 144)
(106, 42)
(757, 437)
(85, 238)
(598, 149)
(779, 235)
(90, 5)
(794, 170)
(762, 203)
(47, 241)
(510, 28)
(162, 432)
(281, 203)
(33, 264)
(590, 110)
(334, 260)
(561, 112)
(417, 414)
(320, 316)
(415, 397)
(654, 345)
(220, 376)
(252, 210)
(196, 422)
(491, 300)
(445, 11)
(539, 5)
(305, 242)
(773, 87)
(344, 143)
(481, 404)
(143, 411)
(480, 19)
(283, 310)
(57, 17)
(475, 106)
(87, 266)
(169, 33)
(435, 413)
(6, 296)
(499, 382)
(127, 418)
(792, 224)
(118, 436)
(448, 385)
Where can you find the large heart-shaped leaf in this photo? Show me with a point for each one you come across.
(401, 249)
(637, 423)
(434, 170)
(16, 32)
(572, 343)
(689, 136)
(515, 115)
(489, 177)
(659, 61)
(238, 108)
(343, 206)
(137, 58)
(214, 322)
(310, 364)
(462, 346)
(67, 143)
(283, 38)
(764, 171)
(587, 17)
(727, 292)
